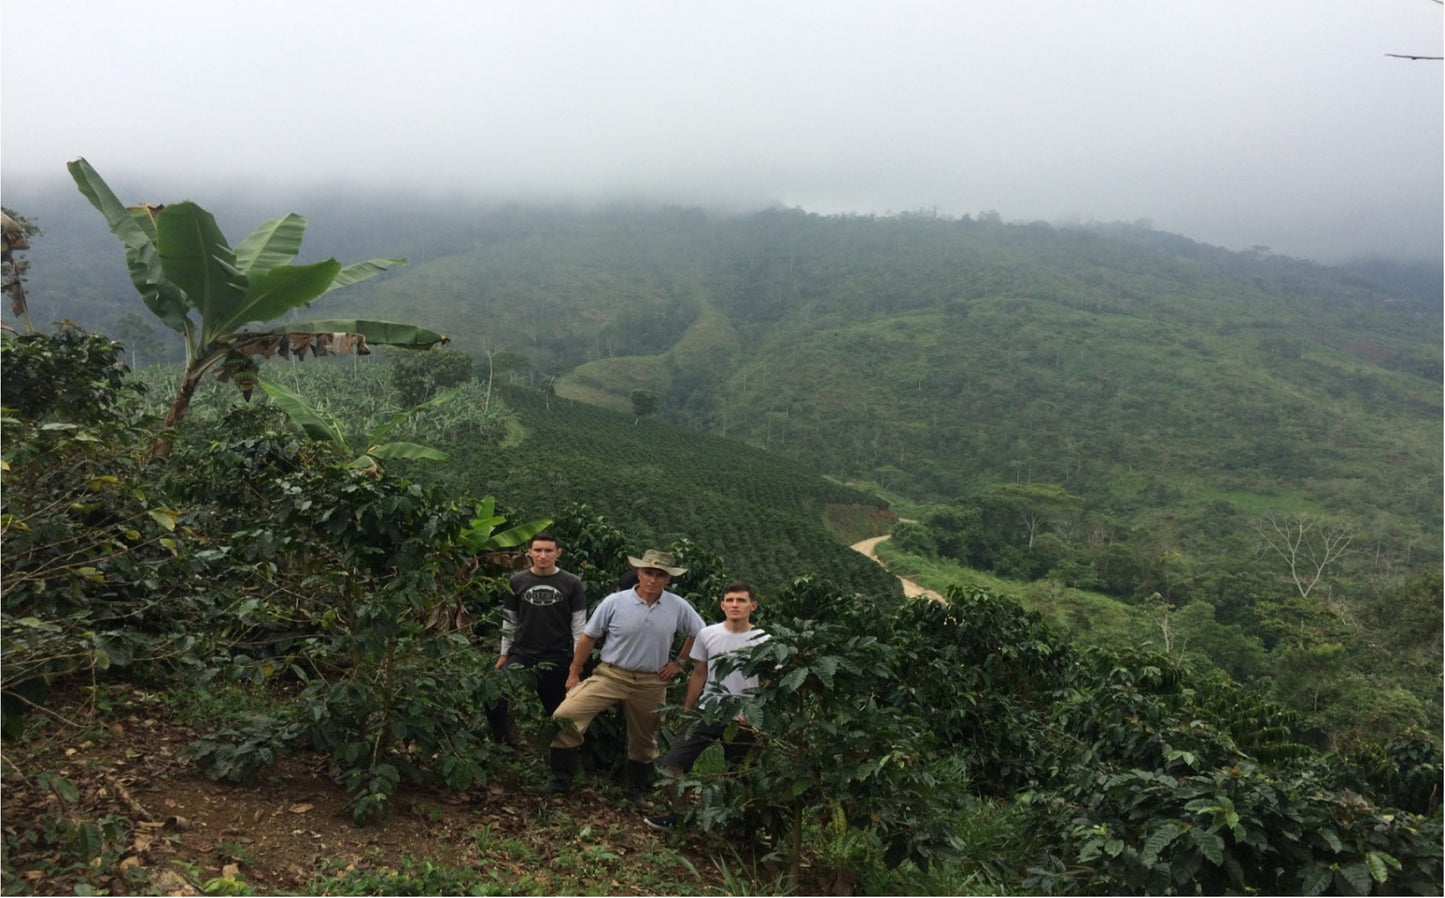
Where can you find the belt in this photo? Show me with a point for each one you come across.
(627, 669)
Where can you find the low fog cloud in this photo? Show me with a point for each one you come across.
(1239, 123)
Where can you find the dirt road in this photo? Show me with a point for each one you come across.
(911, 589)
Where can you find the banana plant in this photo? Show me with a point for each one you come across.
(322, 426)
(212, 294)
(481, 535)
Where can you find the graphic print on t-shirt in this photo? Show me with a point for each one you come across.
(541, 596)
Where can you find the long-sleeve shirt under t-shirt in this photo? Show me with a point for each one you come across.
(543, 616)
(639, 635)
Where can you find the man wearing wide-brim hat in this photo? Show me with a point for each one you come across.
(640, 624)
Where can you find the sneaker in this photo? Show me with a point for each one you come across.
(661, 821)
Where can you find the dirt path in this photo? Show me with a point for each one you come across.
(911, 589)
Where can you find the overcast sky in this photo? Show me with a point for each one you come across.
(1235, 122)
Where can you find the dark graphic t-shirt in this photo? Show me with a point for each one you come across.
(543, 608)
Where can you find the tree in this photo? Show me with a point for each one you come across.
(1037, 504)
(418, 378)
(1307, 545)
(644, 402)
(181, 264)
(136, 335)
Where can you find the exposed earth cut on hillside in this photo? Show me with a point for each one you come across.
(911, 589)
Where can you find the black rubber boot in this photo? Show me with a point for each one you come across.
(500, 722)
(564, 769)
(639, 784)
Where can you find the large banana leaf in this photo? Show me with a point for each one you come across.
(196, 258)
(273, 244)
(273, 293)
(137, 234)
(316, 424)
(360, 271)
(381, 432)
(481, 535)
(385, 333)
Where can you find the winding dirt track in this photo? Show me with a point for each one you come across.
(910, 588)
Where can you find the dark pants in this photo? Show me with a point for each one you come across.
(551, 689)
(685, 751)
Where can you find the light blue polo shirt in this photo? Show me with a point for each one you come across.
(639, 636)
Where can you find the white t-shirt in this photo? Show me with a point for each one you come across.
(715, 640)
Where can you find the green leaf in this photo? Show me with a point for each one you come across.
(361, 271)
(1209, 844)
(136, 232)
(316, 424)
(195, 256)
(1315, 880)
(1358, 876)
(1377, 862)
(273, 293)
(273, 244)
(519, 534)
(1158, 840)
(793, 679)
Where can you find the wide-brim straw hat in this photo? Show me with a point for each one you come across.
(663, 561)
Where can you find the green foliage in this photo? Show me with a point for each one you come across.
(96, 563)
(320, 426)
(644, 403)
(762, 516)
(482, 534)
(66, 375)
(415, 877)
(417, 377)
(255, 559)
(182, 266)
(833, 754)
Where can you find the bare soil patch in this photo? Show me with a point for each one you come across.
(278, 836)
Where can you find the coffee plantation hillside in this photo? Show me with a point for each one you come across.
(262, 591)
(1181, 397)
(766, 518)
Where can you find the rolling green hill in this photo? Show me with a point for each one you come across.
(1181, 393)
(1169, 385)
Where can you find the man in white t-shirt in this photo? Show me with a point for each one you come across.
(735, 632)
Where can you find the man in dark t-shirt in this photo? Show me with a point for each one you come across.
(541, 621)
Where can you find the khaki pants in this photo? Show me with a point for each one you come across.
(641, 694)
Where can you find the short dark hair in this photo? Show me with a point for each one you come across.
(740, 586)
(546, 537)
